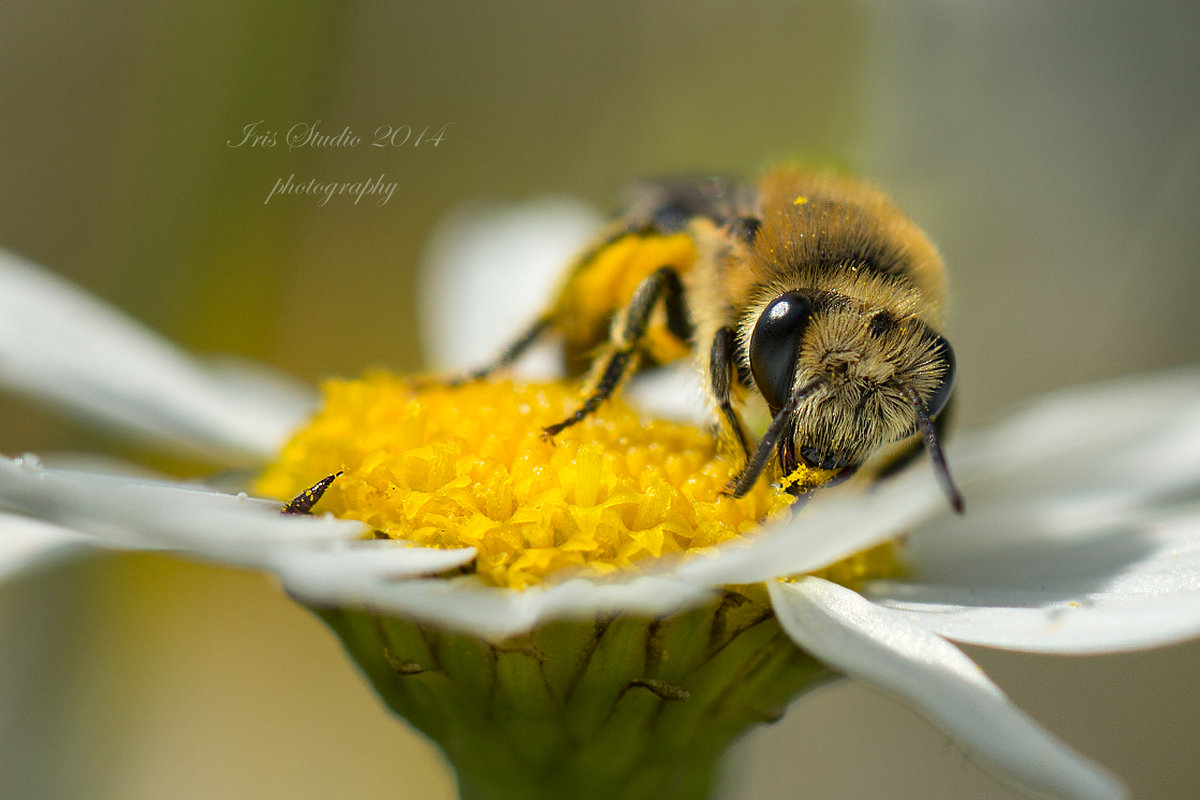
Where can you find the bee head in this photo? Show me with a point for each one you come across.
(867, 379)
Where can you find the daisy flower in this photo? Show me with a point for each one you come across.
(593, 617)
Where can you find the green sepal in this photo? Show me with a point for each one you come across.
(613, 707)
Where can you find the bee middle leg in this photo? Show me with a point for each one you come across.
(620, 357)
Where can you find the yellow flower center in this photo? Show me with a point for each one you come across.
(469, 467)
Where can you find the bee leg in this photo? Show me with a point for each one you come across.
(720, 375)
(620, 357)
(615, 365)
(515, 350)
(782, 425)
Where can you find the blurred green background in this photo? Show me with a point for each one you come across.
(1051, 150)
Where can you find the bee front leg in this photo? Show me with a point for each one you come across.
(915, 447)
(620, 357)
(720, 378)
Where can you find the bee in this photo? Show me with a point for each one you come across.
(809, 293)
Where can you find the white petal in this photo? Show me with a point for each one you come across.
(60, 344)
(1128, 440)
(123, 512)
(25, 542)
(339, 574)
(1072, 541)
(488, 271)
(1136, 585)
(674, 392)
(886, 650)
(466, 604)
(835, 524)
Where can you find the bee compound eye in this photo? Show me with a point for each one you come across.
(775, 346)
(941, 395)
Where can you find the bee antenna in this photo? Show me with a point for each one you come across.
(929, 434)
(762, 453)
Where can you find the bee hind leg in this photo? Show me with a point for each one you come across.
(620, 358)
(529, 337)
